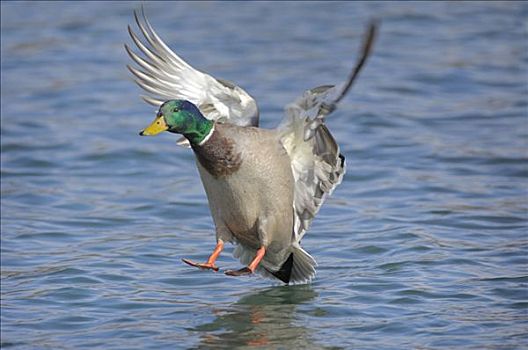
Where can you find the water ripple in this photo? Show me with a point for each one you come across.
(422, 246)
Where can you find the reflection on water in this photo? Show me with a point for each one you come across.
(264, 318)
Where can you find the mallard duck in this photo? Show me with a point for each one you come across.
(264, 186)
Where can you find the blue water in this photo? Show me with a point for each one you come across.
(423, 246)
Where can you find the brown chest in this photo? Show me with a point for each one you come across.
(218, 156)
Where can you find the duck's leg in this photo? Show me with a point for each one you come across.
(251, 267)
(210, 264)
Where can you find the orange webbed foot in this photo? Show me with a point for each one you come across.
(205, 266)
(242, 272)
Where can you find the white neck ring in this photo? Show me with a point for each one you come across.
(208, 136)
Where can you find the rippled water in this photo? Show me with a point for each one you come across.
(424, 245)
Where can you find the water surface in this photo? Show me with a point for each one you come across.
(424, 245)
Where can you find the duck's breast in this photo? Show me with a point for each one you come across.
(247, 176)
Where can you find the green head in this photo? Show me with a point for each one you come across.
(181, 117)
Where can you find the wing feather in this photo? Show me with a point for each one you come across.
(317, 164)
(164, 76)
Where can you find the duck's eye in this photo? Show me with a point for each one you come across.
(176, 110)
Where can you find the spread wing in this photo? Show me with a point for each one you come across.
(164, 76)
(317, 165)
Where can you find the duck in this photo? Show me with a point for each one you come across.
(264, 186)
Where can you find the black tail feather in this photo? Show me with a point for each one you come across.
(284, 273)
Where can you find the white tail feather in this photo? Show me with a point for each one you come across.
(304, 264)
(303, 270)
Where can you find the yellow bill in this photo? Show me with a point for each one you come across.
(157, 126)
